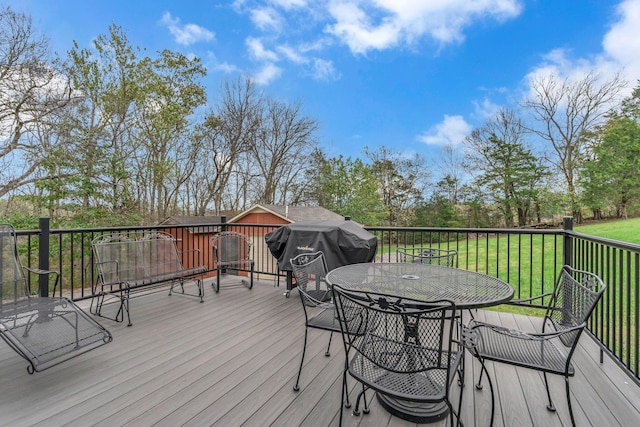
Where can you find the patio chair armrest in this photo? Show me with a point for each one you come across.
(41, 272)
(470, 336)
(525, 300)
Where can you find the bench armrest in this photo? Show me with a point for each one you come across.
(99, 264)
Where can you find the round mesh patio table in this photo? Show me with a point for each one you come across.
(427, 282)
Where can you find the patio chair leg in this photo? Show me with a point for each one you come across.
(479, 387)
(297, 386)
(460, 371)
(459, 423)
(479, 383)
(573, 421)
(345, 388)
(550, 406)
(453, 414)
(328, 353)
(341, 410)
(363, 395)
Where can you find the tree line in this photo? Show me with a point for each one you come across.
(114, 135)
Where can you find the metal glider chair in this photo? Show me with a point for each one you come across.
(575, 295)
(232, 251)
(402, 348)
(44, 331)
(309, 271)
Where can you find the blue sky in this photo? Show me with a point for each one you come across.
(408, 74)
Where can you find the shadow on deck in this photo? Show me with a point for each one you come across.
(233, 359)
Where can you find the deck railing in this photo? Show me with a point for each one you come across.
(528, 259)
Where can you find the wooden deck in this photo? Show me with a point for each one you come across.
(233, 359)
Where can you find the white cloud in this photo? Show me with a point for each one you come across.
(486, 109)
(362, 25)
(292, 54)
(621, 52)
(354, 27)
(383, 24)
(267, 74)
(324, 70)
(622, 42)
(290, 4)
(186, 34)
(258, 51)
(214, 64)
(266, 18)
(451, 131)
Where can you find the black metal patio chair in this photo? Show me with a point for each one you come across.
(427, 255)
(45, 331)
(575, 295)
(309, 271)
(403, 349)
(232, 252)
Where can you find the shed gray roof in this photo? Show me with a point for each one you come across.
(190, 220)
(195, 224)
(294, 213)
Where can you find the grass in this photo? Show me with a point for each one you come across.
(626, 230)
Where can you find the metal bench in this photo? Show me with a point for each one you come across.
(45, 331)
(128, 262)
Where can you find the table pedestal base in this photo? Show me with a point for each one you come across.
(414, 411)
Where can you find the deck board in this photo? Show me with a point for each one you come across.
(232, 360)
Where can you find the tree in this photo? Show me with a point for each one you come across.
(132, 128)
(568, 110)
(612, 175)
(631, 105)
(504, 166)
(283, 142)
(438, 211)
(349, 188)
(226, 135)
(169, 96)
(402, 182)
(33, 93)
(108, 83)
(451, 167)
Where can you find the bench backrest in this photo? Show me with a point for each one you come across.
(132, 257)
(13, 286)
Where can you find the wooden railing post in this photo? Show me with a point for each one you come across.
(43, 255)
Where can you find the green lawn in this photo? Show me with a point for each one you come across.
(626, 230)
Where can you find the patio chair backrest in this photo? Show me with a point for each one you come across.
(575, 296)
(13, 286)
(231, 247)
(426, 255)
(309, 270)
(399, 335)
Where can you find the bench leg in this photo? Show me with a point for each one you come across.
(200, 284)
(124, 306)
(122, 295)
